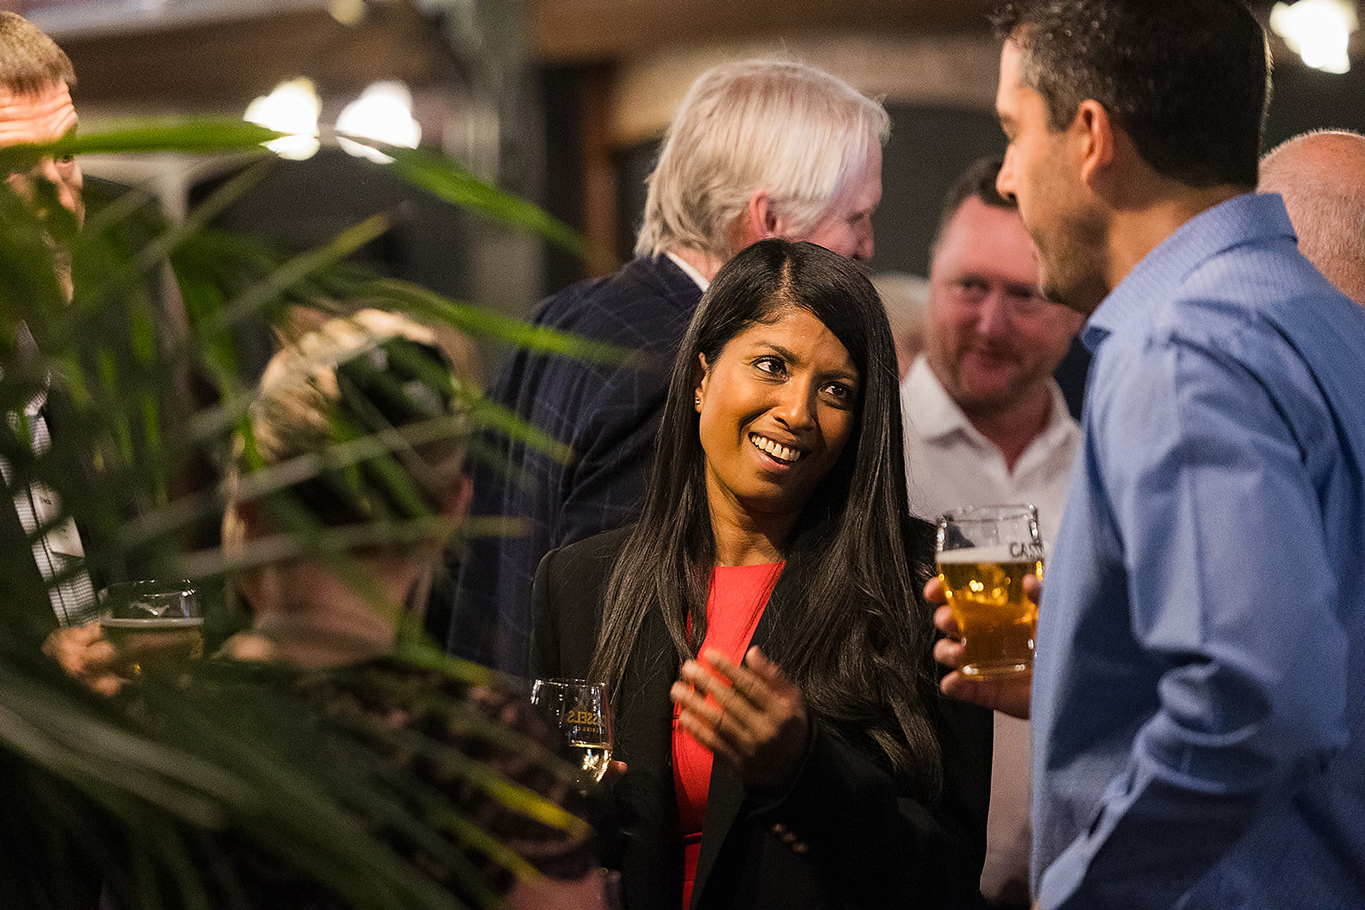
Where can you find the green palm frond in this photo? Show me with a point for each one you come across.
(447, 180)
(140, 793)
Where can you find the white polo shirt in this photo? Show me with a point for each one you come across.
(950, 464)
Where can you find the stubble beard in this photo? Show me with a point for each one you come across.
(1072, 268)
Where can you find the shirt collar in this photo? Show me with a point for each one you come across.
(937, 416)
(688, 270)
(28, 348)
(1242, 219)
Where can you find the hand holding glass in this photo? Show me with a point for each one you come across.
(152, 623)
(984, 553)
(580, 709)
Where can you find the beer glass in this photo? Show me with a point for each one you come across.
(152, 623)
(580, 709)
(984, 552)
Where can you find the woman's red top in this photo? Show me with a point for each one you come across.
(736, 600)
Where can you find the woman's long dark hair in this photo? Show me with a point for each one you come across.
(856, 634)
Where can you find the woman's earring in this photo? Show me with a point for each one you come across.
(696, 400)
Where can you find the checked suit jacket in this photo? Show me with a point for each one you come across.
(608, 416)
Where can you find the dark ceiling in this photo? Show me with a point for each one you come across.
(218, 54)
(207, 53)
(221, 62)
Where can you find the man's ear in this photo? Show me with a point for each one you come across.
(760, 220)
(1093, 131)
(243, 520)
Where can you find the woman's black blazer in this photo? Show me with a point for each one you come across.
(860, 841)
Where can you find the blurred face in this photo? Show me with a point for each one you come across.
(992, 339)
(847, 227)
(43, 117)
(1041, 173)
(777, 407)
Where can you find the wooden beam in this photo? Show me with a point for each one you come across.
(567, 30)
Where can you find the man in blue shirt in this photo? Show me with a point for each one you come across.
(1199, 691)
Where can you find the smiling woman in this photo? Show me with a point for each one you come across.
(760, 628)
(776, 408)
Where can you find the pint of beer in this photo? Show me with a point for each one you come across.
(152, 623)
(984, 552)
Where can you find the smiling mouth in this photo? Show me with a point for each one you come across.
(775, 449)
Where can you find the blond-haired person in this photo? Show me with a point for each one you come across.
(355, 443)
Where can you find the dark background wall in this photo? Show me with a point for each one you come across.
(303, 203)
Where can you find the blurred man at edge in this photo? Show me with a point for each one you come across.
(1321, 176)
(36, 107)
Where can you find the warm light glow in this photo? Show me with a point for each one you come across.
(383, 112)
(347, 12)
(1318, 31)
(293, 107)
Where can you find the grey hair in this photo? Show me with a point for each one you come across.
(791, 128)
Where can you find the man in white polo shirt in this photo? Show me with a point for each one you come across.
(986, 423)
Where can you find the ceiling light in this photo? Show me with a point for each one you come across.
(293, 108)
(383, 112)
(1318, 31)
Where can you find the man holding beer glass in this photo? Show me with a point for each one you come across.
(1198, 731)
(986, 423)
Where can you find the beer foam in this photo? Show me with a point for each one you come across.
(994, 553)
(151, 622)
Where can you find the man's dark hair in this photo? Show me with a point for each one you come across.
(1187, 80)
(976, 182)
(30, 61)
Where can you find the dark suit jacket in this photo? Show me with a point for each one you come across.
(608, 415)
(23, 590)
(869, 844)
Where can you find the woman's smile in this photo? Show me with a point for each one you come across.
(785, 455)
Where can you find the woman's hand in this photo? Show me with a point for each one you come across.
(1008, 694)
(751, 716)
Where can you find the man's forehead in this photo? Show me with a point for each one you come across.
(976, 217)
(984, 237)
(42, 116)
(1010, 60)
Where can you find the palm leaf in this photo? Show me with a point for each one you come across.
(141, 791)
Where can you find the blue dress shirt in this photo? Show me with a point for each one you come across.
(1199, 690)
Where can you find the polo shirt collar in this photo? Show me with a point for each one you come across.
(936, 414)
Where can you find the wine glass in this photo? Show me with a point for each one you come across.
(580, 708)
(152, 622)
